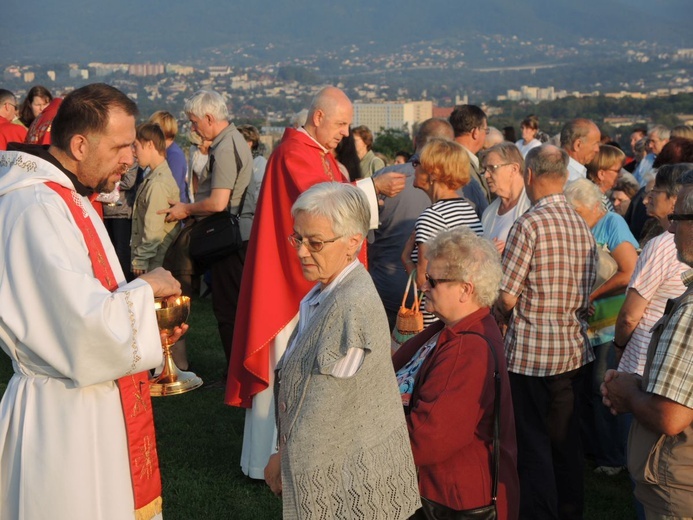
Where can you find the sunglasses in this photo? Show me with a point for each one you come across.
(433, 282)
(679, 216)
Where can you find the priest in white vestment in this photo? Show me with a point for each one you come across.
(63, 444)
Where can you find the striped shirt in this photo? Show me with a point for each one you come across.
(443, 215)
(669, 372)
(549, 264)
(657, 278)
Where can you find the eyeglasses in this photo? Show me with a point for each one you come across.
(679, 216)
(315, 246)
(433, 282)
(11, 104)
(492, 168)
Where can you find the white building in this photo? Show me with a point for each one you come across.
(379, 116)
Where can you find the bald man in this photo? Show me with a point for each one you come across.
(273, 284)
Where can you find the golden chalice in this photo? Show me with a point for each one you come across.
(172, 312)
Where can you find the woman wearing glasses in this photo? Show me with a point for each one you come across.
(446, 378)
(604, 170)
(343, 447)
(442, 169)
(504, 171)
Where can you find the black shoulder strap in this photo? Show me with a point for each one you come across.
(239, 166)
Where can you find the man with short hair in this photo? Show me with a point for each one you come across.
(151, 234)
(9, 131)
(657, 137)
(549, 267)
(397, 217)
(76, 422)
(580, 139)
(470, 125)
(226, 178)
(273, 284)
(660, 444)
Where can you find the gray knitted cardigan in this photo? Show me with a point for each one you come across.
(345, 448)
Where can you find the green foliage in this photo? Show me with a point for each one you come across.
(390, 141)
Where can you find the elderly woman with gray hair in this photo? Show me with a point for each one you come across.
(446, 377)
(616, 241)
(343, 449)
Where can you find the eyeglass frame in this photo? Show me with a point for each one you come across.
(674, 217)
(493, 168)
(310, 244)
(433, 282)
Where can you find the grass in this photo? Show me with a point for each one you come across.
(199, 441)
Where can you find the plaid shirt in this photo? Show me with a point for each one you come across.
(669, 370)
(549, 264)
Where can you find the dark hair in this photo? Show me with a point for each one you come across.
(251, 134)
(152, 133)
(531, 121)
(627, 187)
(365, 134)
(465, 118)
(26, 114)
(346, 154)
(86, 111)
(403, 153)
(677, 150)
(6, 95)
(668, 176)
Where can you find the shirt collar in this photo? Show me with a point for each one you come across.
(41, 151)
(687, 278)
(304, 131)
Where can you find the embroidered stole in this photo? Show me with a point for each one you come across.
(134, 388)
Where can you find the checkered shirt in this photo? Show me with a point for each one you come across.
(669, 371)
(549, 264)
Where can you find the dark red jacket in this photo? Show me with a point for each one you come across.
(450, 416)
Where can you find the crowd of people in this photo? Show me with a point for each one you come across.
(555, 276)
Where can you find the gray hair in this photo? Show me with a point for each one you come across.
(661, 131)
(508, 153)
(468, 258)
(344, 205)
(686, 181)
(299, 118)
(668, 177)
(574, 130)
(435, 127)
(547, 160)
(583, 193)
(205, 102)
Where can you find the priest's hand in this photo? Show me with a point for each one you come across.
(177, 211)
(178, 332)
(389, 184)
(163, 283)
(273, 474)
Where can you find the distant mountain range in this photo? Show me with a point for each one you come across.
(185, 31)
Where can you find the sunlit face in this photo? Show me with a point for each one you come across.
(38, 105)
(656, 144)
(634, 138)
(109, 155)
(444, 299)
(621, 201)
(400, 159)
(588, 146)
(202, 126)
(143, 153)
(683, 232)
(499, 174)
(332, 125)
(325, 265)
(608, 178)
(528, 134)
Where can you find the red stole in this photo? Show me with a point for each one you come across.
(134, 389)
(273, 283)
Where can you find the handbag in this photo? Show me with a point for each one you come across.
(606, 266)
(217, 236)
(431, 510)
(409, 321)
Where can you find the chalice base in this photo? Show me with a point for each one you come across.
(172, 380)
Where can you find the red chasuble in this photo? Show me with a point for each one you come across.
(40, 129)
(273, 283)
(134, 388)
